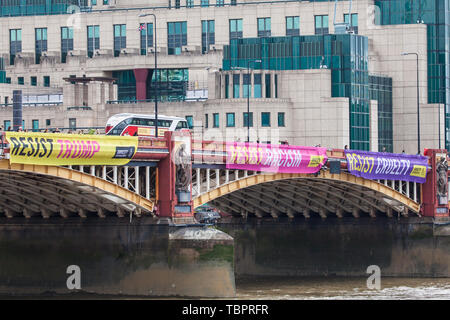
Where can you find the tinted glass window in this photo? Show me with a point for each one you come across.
(164, 123)
(119, 128)
(143, 122)
(182, 125)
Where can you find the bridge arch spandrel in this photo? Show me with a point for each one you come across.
(324, 192)
(52, 190)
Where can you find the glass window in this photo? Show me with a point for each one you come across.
(15, 44)
(268, 89)
(276, 86)
(265, 119)
(190, 3)
(257, 87)
(247, 118)
(281, 119)
(216, 122)
(353, 23)
(292, 26)
(206, 121)
(93, 40)
(208, 34)
(204, 3)
(146, 37)
(236, 85)
(46, 81)
(190, 121)
(35, 124)
(40, 43)
(321, 24)
(231, 120)
(235, 29)
(176, 37)
(20, 80)
(219, 3)
(120, 38)
(33, 81)
(246, 86)
(66, 42)
(72, 123)
(264, 27)
(7, 125)
(227, 85)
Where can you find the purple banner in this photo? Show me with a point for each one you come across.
(387, 166)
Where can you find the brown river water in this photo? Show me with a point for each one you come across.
(341, 288)
(309, 288)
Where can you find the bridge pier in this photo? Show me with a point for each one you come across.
(412, 247)
(116, 257)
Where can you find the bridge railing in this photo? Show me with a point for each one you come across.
(213, 154)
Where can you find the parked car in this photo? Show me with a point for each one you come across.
(207, 215)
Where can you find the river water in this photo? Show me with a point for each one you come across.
(306, 288)
(341, 288)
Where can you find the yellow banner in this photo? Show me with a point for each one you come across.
(419, 171)
(70, 149)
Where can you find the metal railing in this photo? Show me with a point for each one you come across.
(34, 104)
(175, 99)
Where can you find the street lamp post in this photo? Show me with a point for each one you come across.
(248, 98)
(248, 94)
(156, 69)
(418, 98)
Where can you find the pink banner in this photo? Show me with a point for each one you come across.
(275, 158)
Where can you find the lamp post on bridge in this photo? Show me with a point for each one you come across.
(418, 99)
(156, 67)
(248, 95)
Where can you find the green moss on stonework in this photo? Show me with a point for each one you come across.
(218, 253)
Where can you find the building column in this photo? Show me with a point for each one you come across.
(141, 83)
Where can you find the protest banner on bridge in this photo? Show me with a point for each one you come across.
(387, 166)
(70, 149)
(275, 158)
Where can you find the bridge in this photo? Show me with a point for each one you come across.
(122, 210)
(147, 185)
